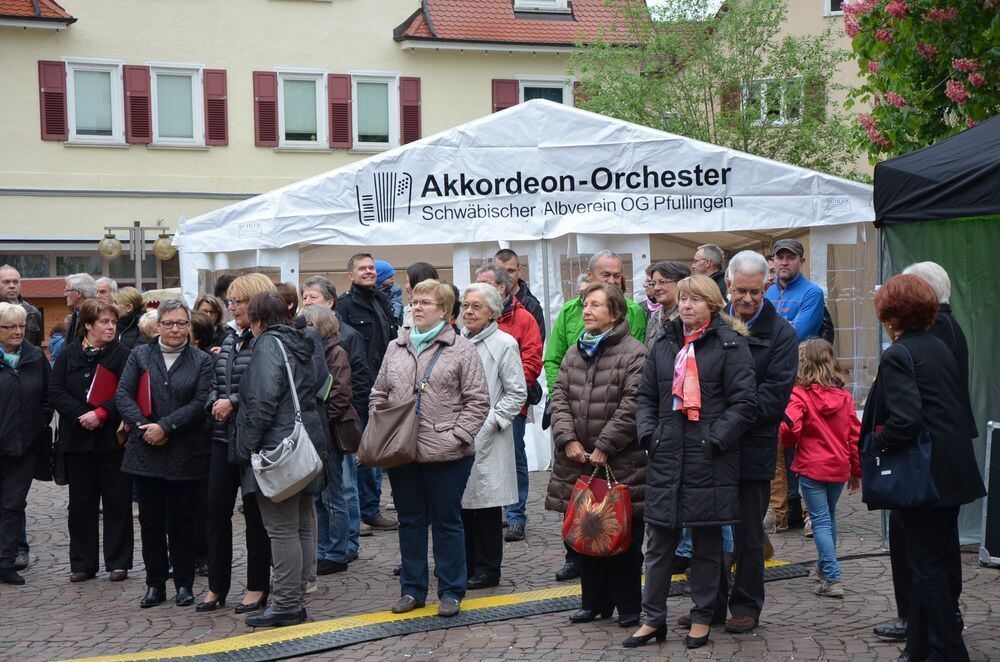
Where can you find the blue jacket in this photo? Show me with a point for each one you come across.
(801, 303)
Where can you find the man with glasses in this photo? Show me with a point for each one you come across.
(79, 288)
(708, 262)
(508, 259)
(10, 291)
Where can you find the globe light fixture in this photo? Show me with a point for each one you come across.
(163, 247)
(110, 247)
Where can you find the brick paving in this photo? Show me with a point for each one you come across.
(51, 618)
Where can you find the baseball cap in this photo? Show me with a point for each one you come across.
(788, 245)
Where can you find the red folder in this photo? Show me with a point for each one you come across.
(102, 387)
(144, 396)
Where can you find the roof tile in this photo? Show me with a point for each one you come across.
(49, 9)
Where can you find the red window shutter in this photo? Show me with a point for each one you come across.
(506, 93)
(409, 110)
(579, 97)
(138, 105)
(338, 92)
(216, 110)
(731, 100)
(265, 108)
(52, 99)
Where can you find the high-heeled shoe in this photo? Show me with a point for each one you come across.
(254, 606)
(660, 634)
(696, 642)
(211, 605)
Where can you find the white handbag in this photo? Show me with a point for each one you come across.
(286, 470)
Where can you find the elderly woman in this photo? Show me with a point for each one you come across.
(161, 397)
(593, 424)
(493, 481)
(698, 397)
(919, 389)
(454, 405)
(224, 477)
(84, 381)
(267, 416)
(214, 308)
(25, 413)
(663, 278)
(128, 301)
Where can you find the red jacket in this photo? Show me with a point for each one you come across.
(824, 430)
(518, 322)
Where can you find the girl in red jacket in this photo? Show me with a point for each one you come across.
(821, 424)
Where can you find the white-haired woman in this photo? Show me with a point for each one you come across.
(493, 481)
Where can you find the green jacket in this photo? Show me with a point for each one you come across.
(569, 326)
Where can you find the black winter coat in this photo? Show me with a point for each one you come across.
(33, 331)
(128, 330)
(693, 472)
(775, 351)
(369, 313)
(230, 364)
(178, 407)
(72, 375)
(946, 328)
(25, 410)
(924, 392)
(267, 412)
(361, 377)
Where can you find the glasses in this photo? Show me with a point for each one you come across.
(742, 292)
(423, 303)
(11, 327)
(473, 306)
(661, 283)
(180, 324)
(69, 291)
(232, 303)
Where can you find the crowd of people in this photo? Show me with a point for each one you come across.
(717, 400)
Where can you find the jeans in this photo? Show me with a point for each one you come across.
(515, 511)
(431, 493)
(369, 484)
(22, 544)
(821, 500)
(332, 522)
(350, 482)
(684, 546)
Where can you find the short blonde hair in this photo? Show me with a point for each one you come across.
(704, 288)
(247, 285)
(442, 293)
(323, 320)
(147, 324)
(12, 313)
(129, 296)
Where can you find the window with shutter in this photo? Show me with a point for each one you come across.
(339, 95)
(52, 99)
(178, 106)
(216, 107)
(775, 102)
(265, 108)
(832, 7)
(409, 109)
(138, 105)
(376, 116)
(302, 119)
(553, 88)
(95, 102)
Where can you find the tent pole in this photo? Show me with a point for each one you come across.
(545, 285)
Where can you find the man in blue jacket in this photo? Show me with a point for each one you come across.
(797, 299)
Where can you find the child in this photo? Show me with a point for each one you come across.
(823, 427)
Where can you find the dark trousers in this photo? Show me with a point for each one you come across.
(431, 493)
(902, 578)
(223, 484)
(516, 511)
(933, 631)
(201, 523)
(166, 518)
(614, 582)
(746, 595)
(483, 542)
(705, 559)
(16, 474)
(98, 490)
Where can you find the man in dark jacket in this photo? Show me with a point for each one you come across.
(366, 310)
(707, 261)
(774, 349)
(10, 291)
(508, 259)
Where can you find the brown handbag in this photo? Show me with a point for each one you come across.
(347, 431)
(390, 438)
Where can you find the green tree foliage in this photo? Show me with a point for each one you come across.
(930, 68)
(725, 76)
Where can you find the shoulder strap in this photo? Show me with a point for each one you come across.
(291, 379)
(419, 388)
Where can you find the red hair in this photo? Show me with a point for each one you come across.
(906, 302)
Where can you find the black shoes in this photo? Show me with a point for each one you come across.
(397, 570)
(449, 607)
(155, 595)
(211, 605)
(253, 606)
(568, 572)
(10, 576)
(660, 634)
(628, 620)
(80, 576)
(119, 575)
(894, 630)
(587, 615)
(695, 642)
(184, 597)
(327, 567)
(270, 618)
(477, 582)
(406, 603)
(515, 533)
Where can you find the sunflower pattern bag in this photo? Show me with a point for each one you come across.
(599, 517)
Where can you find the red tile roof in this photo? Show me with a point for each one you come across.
(42, 288)
(494, 21)
(39, 10)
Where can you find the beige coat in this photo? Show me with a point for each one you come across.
(455, 402)
(493, 481)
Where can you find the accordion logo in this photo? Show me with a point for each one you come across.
(387, 192)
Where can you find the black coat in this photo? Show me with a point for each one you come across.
(369, 313)
(361, 377)
(230, 364)
(179, 396)
(775, 351)
(924, 392)
(25, 410)
(128, 329)
(530, 303)
(693, 473)
(33, 331)
(946, 328)
(720, 281)
(72, 375)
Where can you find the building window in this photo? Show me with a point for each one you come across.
(302, 105)
(178, 106)
(77, 264)
(832, 8)
(376, 111)
(553, 88)
(542, 5)
(777, 102)
(95, 102)
(29, 266)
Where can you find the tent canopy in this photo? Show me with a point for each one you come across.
(958, 177)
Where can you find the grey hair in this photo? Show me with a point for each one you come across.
(112, 284)
(600, 255)
(323, 320)
(328, 289)
(169, 305)
(713, 254)
(82, 283)
(936, 277)
(500, 275)
(491, 296)
(748, 263)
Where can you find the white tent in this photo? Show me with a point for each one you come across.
(547, 180)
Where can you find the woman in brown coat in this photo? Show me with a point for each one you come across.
(593, 424)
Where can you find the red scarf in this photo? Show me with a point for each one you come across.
(687, 387)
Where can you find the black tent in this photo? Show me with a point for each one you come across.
(942, 203)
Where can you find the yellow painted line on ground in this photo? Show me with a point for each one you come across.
(306, 630)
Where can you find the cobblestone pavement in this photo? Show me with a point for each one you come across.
(51, 618)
